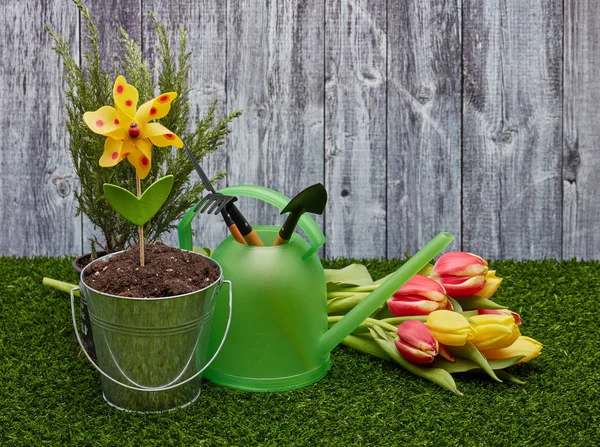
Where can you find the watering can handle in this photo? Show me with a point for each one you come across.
(165, 388)
(278, 200)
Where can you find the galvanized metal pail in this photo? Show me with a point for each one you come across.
(151, 351)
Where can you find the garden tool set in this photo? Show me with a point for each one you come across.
(312, 200)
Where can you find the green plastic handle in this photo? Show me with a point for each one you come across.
(278, 200)
(367, 306)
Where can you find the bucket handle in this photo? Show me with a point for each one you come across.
(278, 200)
(165, 388)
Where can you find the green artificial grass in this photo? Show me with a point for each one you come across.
(50, 395)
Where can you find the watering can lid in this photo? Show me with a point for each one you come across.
(278, 200)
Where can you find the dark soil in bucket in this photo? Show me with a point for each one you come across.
(167, 272)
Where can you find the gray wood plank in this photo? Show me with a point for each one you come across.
(275, 74)
(109, 17)
(424, 132)
(36, 185)
(355, 128)
(512, 138)
(581, 144)
(206, 25)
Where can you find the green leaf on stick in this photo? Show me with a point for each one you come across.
(139, 210)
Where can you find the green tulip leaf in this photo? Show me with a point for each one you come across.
(384, 279)
(504, 363)
(477, 302)
(509, 378)
(350, 276)
(455, 304)
(435, 375)
(366, 346)
(470, 352)
(139, 210)
(463, 365)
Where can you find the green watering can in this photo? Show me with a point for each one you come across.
(278, 339)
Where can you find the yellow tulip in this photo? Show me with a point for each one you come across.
(128, 131)
(449, 328)
(494, 331)
(526, 346)
(492, 282)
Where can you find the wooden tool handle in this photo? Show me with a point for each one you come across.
(280, 240)
(233, 229)
(253, 239)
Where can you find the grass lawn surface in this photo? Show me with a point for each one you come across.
(50, 395)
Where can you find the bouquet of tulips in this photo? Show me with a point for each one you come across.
(442, 321)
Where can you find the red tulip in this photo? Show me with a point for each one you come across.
(419, 296)
(416, 343)
(515, 315)
(461, 274)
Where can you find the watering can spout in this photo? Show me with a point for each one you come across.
(367, 306)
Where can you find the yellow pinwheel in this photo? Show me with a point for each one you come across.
(129, 132)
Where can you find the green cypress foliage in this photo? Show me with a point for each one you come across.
(89, 87)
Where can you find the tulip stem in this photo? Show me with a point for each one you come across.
(398, 320)
(365, 345)
(355, 289)
(332, 295)
(365, 324)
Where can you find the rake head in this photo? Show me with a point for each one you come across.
(214, 203)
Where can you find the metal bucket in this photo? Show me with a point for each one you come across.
(151, 351)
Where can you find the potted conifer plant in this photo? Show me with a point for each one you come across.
(90, 87)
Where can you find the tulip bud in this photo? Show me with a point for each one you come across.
(416, 343)
(515, 315)
(526, 346)
(449, 328)
(494, 331)
(461, 274)
(492, 282)
(446, 354)
(419, 296)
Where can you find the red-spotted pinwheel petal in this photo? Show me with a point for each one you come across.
(141, 163)
(161, 136)
(112, 153)
(144, 146)
(155, 108)
(126, 98)
(103, 121)
(127, 149)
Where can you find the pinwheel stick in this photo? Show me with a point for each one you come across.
(138, 184)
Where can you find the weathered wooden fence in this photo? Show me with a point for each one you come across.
(478, 117)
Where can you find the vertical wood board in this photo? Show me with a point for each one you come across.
(36, 185)
(512, 128)
(275, 75)
(581, 144)
(355, 129)
(424, 115)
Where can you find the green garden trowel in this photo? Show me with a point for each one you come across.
(311, 200)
